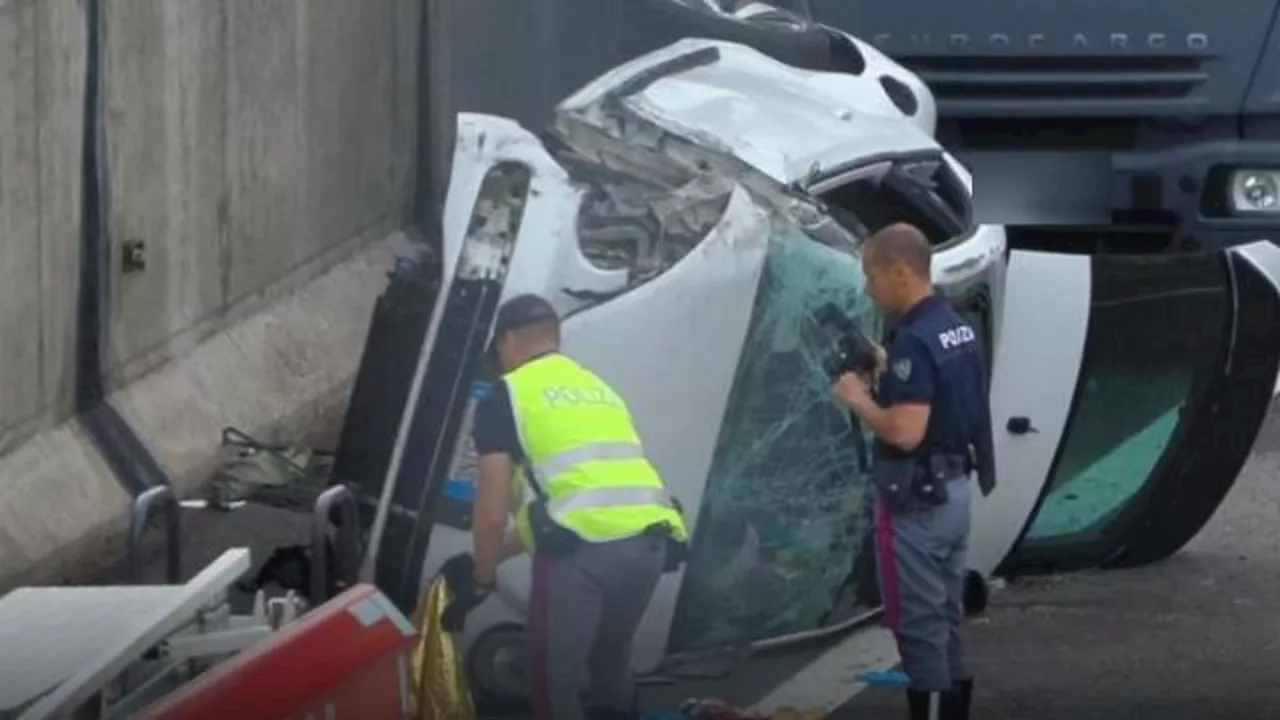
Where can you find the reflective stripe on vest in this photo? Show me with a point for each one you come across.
(560, 462)
(606, 497)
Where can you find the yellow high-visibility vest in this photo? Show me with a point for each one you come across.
(585, 454)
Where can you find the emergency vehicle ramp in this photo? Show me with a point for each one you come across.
(106, 652)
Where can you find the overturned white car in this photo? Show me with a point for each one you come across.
(688, 213)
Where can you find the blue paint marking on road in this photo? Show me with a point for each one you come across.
(479, 389)
(885, 678)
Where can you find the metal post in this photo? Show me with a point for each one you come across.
(346, 540)
(145, 507)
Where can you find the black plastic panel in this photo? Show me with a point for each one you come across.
(400, 319)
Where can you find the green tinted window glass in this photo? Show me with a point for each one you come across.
(1152, 339)
(784, 514)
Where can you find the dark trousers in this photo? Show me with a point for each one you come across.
(584, 610)
(921, 559)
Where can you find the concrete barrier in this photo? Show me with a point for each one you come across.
(41, 107)
(259, 157)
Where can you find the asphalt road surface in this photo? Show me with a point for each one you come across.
(1196, 637)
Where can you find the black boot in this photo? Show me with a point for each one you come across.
(955, 704)
(925, 705)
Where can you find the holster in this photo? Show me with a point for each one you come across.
(918, 482)
(893, 480)
(677, 551)
(550, 537)
(931, 479)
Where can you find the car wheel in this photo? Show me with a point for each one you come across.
(975, 593)
(498, 667)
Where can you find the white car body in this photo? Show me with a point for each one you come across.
(768, 129)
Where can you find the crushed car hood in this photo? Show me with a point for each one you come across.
(787, 123)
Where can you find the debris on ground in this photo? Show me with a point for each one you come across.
(289, 477)
(720, 710)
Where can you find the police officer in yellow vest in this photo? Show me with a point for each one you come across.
(600, 525)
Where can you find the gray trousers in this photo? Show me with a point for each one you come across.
(584, 610)
(921, 559)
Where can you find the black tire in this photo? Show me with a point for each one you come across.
(497, 668)
(976, 593)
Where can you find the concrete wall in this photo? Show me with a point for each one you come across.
(41, 81)
(258, 149)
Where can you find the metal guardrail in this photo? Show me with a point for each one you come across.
(153, 500)
(346, 545)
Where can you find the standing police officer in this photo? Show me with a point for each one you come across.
(602, 528)
(932, 427)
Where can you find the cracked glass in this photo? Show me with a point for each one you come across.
(782, 536)
(784, 517)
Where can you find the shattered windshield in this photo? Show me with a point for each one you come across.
(782, 528)
(784, 516)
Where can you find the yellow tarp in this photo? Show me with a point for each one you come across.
(440, 689)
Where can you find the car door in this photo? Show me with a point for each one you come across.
(507, 202)
(1126, 394)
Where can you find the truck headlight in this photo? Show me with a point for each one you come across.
(1255, 191)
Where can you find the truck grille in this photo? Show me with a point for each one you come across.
(963, 83)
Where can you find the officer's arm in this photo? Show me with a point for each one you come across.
(902, 424)
(489, 515)
(907, 390)
(497, 442)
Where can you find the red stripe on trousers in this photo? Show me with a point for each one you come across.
(539, 648)
(890, 590)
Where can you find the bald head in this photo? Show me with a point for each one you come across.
(900, 244)
(895, 261)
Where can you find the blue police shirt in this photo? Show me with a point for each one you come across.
(936, 358)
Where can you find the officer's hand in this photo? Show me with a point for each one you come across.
(459, 575)
(851, 389)
(466, 597)
(458, 571)
(882, 358)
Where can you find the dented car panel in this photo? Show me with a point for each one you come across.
(788, 123)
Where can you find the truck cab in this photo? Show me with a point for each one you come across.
(1095, 126)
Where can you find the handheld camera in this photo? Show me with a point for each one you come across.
(854, 351)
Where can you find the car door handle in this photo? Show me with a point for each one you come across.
(1020, 425)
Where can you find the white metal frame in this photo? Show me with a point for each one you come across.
(191, 622)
